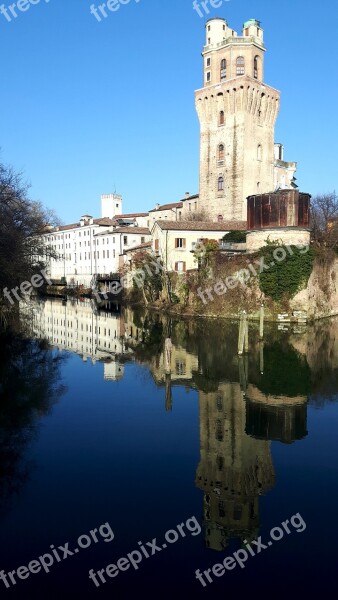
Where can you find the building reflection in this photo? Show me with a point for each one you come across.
(234, 468)
(244, 403)
(78, 326)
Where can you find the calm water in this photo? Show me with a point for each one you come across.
(145, 423)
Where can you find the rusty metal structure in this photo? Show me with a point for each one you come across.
(284, 208)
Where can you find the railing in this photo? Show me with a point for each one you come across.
(108, 277)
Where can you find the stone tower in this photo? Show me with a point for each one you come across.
(237, 113)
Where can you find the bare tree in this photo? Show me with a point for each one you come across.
(324, 219)
(196, 216)
(23, 222)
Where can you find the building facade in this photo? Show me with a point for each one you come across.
(237, 111)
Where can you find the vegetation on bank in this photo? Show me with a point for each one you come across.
(289, 270)
(23, 253)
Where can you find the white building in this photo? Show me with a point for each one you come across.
(93, 246)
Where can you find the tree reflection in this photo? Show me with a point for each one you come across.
(29, 386)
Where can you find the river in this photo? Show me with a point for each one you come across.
(139, 452)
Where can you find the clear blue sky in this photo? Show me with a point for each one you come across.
(89, 107)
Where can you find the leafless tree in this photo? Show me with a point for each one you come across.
(196, 215)
(23, 222)
(324, 219)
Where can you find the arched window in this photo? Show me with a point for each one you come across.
(221, 152)
(220, 184)
(256, 63)
(223, 69)
(240, 65)
(259, 152)
(221, 117)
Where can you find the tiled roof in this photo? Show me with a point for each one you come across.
(139, 247)
(136, 230)
(202, 226)
(132, 215)
(167, 207)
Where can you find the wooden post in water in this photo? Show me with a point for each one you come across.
(241, 334)
(246, 333)
(261, 322)
(261, 359)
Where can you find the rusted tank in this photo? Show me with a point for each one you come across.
(285, 208)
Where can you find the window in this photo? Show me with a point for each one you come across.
(208, 62)
(256, 67)
(220, 218)
(157, 245)
(143, 239)
(223, 69)
(220, 184)
(208, 76)
(104, 254)
(125, 240)
(221, 117)
(209, 40)
(180, 243)
(221, 152)
(180, 267)
(240, 65)
(107, 253)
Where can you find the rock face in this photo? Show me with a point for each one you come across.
(320, 298)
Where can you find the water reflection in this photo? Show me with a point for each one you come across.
(29, 386)
(244, 403)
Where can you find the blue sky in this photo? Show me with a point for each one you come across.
(89, 108)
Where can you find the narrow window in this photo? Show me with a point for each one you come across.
(208, 76)
(220, 185)
(240, 66)
(208, 62)
(221, 152)
(221, 117)
(256, 67)
(223, 69)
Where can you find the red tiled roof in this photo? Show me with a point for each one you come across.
(136, 230)
(140, 246)
(132, 215)
(202, 226)
(167, 207)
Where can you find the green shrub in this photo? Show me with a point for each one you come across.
(237, 237)
(285, 277)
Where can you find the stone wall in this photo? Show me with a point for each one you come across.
(320, 298)
(289, 236)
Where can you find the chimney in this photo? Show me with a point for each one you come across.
(157, 206)
(187, 195)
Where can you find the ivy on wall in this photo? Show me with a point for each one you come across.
(289, 269)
